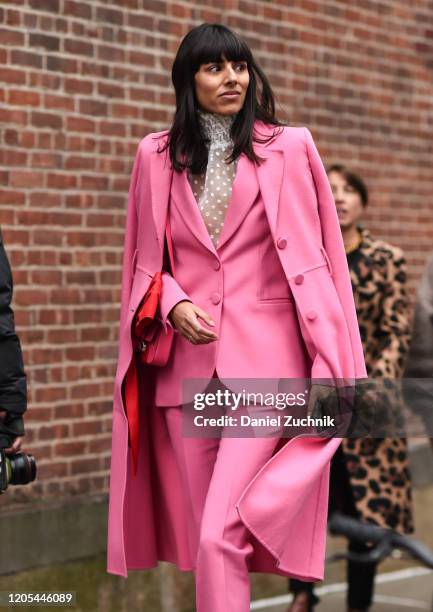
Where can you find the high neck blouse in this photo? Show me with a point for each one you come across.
(212, 188)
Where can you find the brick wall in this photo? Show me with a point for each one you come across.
(84, 81)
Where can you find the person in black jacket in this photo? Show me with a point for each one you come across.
(13, 385)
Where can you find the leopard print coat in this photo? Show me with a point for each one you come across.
(378, 467)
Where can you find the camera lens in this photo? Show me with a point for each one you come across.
(23, 469)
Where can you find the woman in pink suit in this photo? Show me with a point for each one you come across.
(259, 289)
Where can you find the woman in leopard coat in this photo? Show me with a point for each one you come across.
(370, 477)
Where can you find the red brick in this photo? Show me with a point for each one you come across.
(109, 90)
(69, 449)
(9, 196)
(110, 54)
(77, 9)
(28, 297)
(46, 80)
(52, 43)
(49, 394)
(50, 120)
(25, 58)
(109, 15)
(11, 116)
(79, 47)
(80, 353)
(62, 64)
(12, 75)
(76, 86)
(100, 445)
(47, 237)
(45, 160)
(61, 181)
(59, 102)
(80, 124)
(11, 17)
(53, 432)
(69, 411)
(12, 37)
(87, 464)
(74, 162)
(93, 107)
(86, 428)
(26, 178)
(92, 69)
(45, 5)
(6, 216)
(10, 157)
(48, 199)
(52, 470)
(65, 295)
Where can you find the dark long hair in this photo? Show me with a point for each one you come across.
(206, 43)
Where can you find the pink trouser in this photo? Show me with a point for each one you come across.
(215, 473)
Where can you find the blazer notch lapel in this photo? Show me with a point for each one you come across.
(185, 202)
(244, 192)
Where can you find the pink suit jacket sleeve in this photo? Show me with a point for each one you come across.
(171, 294)
(334, 249)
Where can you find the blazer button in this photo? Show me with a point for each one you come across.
(299, 279)
(215, 298)
(311, 315)
(216, 264)
(281, 243)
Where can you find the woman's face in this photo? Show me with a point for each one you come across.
(347, 200)
(222, 87)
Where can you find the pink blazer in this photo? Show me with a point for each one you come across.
(241, 284)
(288, 274)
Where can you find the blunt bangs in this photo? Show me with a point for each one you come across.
(213, 43)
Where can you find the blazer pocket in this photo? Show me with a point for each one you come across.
(277, 302)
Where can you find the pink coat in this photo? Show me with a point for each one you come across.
(285, 505)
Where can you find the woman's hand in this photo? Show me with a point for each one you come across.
(185, 318)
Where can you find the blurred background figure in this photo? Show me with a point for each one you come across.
(370, 477)
(13, 387)
(419, 364)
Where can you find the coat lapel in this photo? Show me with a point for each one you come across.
(160, 184)
(270, 177)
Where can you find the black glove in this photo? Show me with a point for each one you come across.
(11, 426)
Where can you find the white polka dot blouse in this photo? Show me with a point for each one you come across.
(212, 189)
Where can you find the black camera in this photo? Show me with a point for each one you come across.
(17, 469)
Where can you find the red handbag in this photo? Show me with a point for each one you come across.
(151, 344)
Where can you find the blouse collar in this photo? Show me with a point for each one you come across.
(216, 128)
